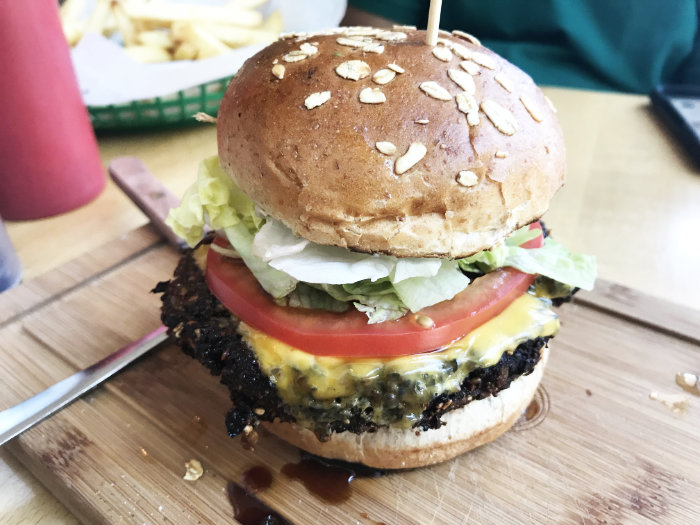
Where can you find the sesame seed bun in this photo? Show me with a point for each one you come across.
(466, 428)
(432, 151)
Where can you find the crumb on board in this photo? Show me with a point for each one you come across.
(677, 403)
(193, 470)
(688, 382)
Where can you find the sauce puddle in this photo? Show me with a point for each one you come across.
(328, 479)
(248, 509)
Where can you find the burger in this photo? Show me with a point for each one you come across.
(376, 286)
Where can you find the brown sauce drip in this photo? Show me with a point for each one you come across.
(328, 479)
(249, 510)
(331, 484)
(256, 479)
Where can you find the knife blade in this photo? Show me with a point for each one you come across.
(15, 420)
(155, 200)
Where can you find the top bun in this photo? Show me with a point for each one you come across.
(301, 125)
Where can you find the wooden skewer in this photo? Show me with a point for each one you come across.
(433, 22)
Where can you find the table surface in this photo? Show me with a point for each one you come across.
(632, 198)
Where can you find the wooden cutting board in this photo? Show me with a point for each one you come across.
(593, 449)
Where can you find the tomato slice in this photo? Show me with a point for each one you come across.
(347, 334)
(538, 241)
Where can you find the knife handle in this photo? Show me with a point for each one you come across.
(148, 193)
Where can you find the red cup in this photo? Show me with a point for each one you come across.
(49, 161)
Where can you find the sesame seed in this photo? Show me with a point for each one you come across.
(501, 117)
(372, 96)
(442, 53)
(416, 152)
(294, 56)
(384, 76)
(360, 31)
(463, 80)
(353, 69)
(374, 47)
(387, 148)
(484, 60)
(467, 178)
(532, 108)
(466, 103)
(461, 51)
(466, 36)
(278, 71)
(470, 67)
(505, 82)
(308, 49)
(391, 36)
(354, 41)
(316, 99)
(435, 90)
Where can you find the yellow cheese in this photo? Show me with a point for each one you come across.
(297, 374)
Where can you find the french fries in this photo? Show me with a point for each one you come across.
(159, 31)
(160, 13)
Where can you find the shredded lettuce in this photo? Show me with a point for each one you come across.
(216, 200)
(377, 299)
(420, 292)
(555, 261)
(306, 296)
(299, 273)
(315, 263)
(552, 260)
(380, 309)
(276, 283)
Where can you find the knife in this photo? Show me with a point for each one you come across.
(26, 414)
(154, 199)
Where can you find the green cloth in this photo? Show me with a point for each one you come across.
(623, 45)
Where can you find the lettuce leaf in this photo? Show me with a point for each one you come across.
(380, 309)
(300, 273)
(306, 296)
(214, 199)
(377, 299)
(276, 283)
(552, 260)
(420, 292)
(555, 261)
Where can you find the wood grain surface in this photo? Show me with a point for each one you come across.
(631, 199)
(598, 451)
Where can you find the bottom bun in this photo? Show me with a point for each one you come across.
(466, 428)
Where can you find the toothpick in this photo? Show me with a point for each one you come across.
(433, 22)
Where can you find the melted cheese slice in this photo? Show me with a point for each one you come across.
(297, 374)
